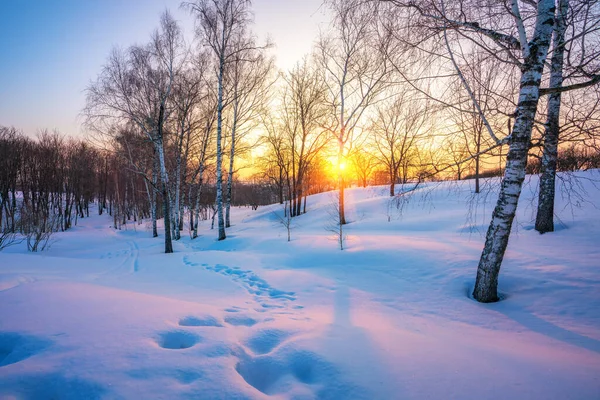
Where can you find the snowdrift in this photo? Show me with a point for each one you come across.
(103, 314)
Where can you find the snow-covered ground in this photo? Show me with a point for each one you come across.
(105, 315)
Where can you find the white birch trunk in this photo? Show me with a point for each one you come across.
(341, 142)
(231, 162)
(219, 166)
(164, 176)
(176, 206)
(544, 221)
(153, 202)
(486, 284)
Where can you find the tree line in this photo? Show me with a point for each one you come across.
(45, 185)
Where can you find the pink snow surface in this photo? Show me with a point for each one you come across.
(104, 315)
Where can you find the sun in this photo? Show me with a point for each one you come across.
(342, 166)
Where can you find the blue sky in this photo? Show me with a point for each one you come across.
(52, 49)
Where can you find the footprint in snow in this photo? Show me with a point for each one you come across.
(263, 372)
(177, 340)
(186, 261)
(263, 292)
(264, 341)
(240, 320)
(252, 283)
(16, 347)
(233, 309)
(208, 320)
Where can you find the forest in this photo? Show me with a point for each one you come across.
(393, 92)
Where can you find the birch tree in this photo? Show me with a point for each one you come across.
(220, 23)
(518, 33)
(189, 92)
(203, 155)
(135, 86)
(133, 146)
(576, 31)
(533, 55)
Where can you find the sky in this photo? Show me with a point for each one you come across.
(52, 50)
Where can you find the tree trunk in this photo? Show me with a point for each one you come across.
(231, 162)
(228, 196)
(176, 206)
(486, 284)
(280, 186)
(294, 192)
(219, 166)
(153, 200)
(197, 205)
(341, 209)
(305, 203)
(392, 184)
(544, 221)
(164, 177)
(167, 219)
(299, 194)
(477, 162)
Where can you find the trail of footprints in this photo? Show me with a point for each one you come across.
(266, 359)
(266, 295)
(180, 339)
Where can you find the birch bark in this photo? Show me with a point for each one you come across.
(486, 284)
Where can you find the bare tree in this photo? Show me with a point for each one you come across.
(397, 128)
(302, 116)
(140, 154)
(202, 155)
(458, 151)
(353, 56)
(275, 161)
(11, 158)
(190, 91)
(364, 162)
(519, 34)
(577, 28)
(285, 220)
(221, 25)
(492, 91)
(136, 86)
(334, 224)
(249, 75)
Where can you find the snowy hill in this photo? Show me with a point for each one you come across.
(104, 314)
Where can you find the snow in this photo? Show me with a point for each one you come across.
(103, 314)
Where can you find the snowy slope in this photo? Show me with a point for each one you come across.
(105, 315)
